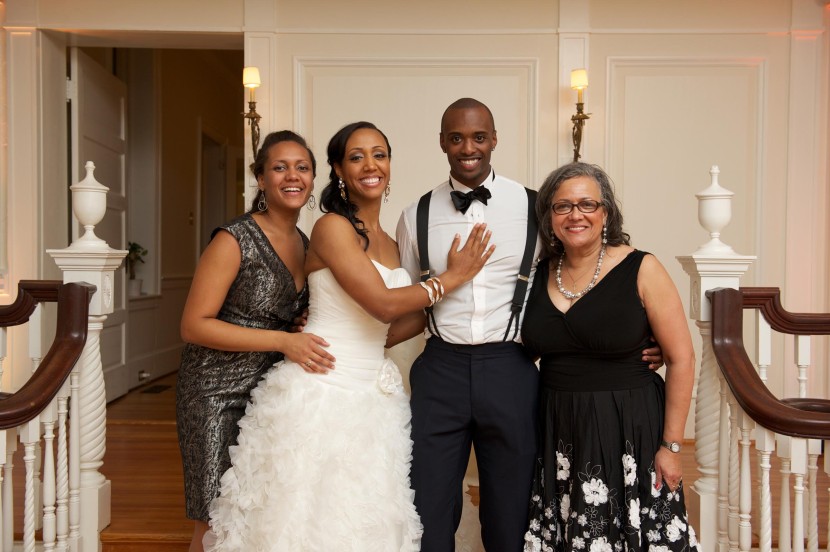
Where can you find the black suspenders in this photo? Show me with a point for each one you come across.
(524, 272)
(421, 227)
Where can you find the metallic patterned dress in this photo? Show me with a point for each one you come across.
(213, 386)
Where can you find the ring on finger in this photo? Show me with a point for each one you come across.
(308, 363)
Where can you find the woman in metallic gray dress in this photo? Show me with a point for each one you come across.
(248, 288)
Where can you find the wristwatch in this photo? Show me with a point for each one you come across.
(674, 446)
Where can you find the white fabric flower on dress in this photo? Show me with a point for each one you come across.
(563, 466)
(564, 506)
(595, 491)
(601, 545)
(532, 543)
(634, 513)
(389, 377)
(630, 469)
(655, 548)
(578, 543)
(675, 529)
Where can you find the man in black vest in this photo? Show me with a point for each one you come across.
(474, 383)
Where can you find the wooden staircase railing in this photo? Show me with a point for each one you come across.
(73, 308)
(791, 428)
(797, 417)
(33, 413)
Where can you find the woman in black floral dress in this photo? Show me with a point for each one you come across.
(609, 474)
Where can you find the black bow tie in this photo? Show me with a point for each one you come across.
(462, 200)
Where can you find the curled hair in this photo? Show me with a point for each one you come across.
(614, 221)
(330, 199)
(274, 138)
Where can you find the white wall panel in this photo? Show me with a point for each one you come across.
(406, 99)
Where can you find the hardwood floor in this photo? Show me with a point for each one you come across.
(142, 462)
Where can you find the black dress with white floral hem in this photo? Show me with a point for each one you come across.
(601, 422)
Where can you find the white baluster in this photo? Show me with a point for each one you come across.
(49, 485)
(746, 425)
(785, 539)
(802, 360)
(723, 469)
(62, 485)
(799, 469)
(813, 452)
(48, 493)
(734, 473)
(3, 505)
(30, 436)
(74, 465)
(8, 491)
(35, 331)
(765, 443)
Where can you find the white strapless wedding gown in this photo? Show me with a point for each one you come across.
(322, 461)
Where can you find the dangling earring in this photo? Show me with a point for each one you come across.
(262, 205)
(386, 193)
(342, 187)
(311, 203)
(604, 234)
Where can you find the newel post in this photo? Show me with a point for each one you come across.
(713, 265)
(89, 259)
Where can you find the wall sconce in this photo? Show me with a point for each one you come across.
(250, 79)
(579, 82)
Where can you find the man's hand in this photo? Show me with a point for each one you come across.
(654, 356)
(300, 322)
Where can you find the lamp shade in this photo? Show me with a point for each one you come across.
(579, 79)
(250, 77)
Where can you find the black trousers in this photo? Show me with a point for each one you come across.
(484, 395)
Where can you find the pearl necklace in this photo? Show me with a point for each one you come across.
(571, 295)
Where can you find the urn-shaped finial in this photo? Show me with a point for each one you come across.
(89, 203)
(714, 211)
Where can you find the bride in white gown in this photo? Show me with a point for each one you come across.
(323, 457)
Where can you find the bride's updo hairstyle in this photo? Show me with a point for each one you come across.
(552, 246)
(258, 166)
(330, 200)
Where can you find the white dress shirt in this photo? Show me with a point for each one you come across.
(478, 311)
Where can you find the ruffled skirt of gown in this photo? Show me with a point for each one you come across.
(318, 467)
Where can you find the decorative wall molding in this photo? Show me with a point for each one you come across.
(386, 31)
(760, 65)
(526, 68)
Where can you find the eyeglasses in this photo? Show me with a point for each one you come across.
(584, 206)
